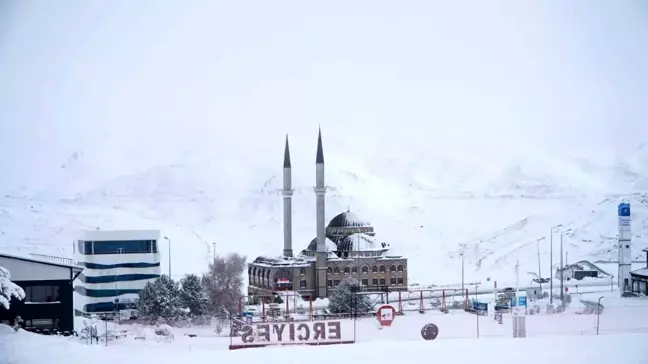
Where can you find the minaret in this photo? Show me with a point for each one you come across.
(287, 193)
(320, 192)
(625, 248)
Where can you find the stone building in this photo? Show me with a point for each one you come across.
(346, 248)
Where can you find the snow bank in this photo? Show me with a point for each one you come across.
(28, 348)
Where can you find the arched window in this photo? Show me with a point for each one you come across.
(302, 271)
(354, 270)
(392, 268)
(400, 268)
(382, 269)
(374, 269)
(329, 270)
(347, 270)
(336, 270)
(365, 269)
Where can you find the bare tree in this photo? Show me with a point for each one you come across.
(224, 283)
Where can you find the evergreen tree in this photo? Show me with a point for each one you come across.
(344, 298)
(8, 289)
(193, 296)
(160, 299)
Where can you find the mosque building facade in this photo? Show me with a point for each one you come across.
(345, 248)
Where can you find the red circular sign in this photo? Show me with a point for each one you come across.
(386, 315)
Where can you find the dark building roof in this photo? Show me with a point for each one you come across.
(286, 155)
(330, 245)
(320, 152)
(347, 219)
(360, 242)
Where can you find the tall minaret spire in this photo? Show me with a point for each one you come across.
(287, 193)
(320, 191)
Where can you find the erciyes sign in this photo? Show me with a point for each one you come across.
(287, 333)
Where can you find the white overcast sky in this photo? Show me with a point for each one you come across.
(157, 77)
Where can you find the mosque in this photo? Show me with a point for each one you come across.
(345, 248)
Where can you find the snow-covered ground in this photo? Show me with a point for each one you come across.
(566, 337)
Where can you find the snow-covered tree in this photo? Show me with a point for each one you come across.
(8, 289)
(193, 296)
(224, 283)
(161, 300)
(344, 299)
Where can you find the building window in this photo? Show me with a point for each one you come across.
(347, 270)
(365, 270)
(392, 281)
(392, 268)
(302, 271)
(329, 270)
(382, 269)
(302, 284)
(336, 270)
(374, 269)
(400, 268)
(329, 283)
(354, 270)
(627, 246)
(336, 283)
(40, 294)
(382, 281)
(374, 282)
(117, 247)
(365, 282)
(400, 281)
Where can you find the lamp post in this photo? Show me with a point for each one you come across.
(214, 251)
(551, 263)
(463, 246)
(539, 272)
(169, 240)
(562, 268)
(598, 312)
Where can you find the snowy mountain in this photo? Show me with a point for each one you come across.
(425, 207)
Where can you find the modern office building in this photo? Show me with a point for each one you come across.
(117, 265)
(47, 282)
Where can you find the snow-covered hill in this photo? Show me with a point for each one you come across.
(499, 216)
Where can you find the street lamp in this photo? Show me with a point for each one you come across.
(539, 271)
(463, 247)
(169, 240)
(598, 312)
(551, 263)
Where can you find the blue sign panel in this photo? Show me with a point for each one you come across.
(513, 302)
(624, 209)
(522, 301)
(480, 306)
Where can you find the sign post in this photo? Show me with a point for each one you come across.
(386, 315)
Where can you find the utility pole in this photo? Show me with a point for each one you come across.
(551, 268)
(561, 271)
(463, 246)
(539, 274)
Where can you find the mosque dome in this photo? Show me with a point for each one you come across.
(361, 242)
(330, 245)
(347, 219)
(345, 224)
